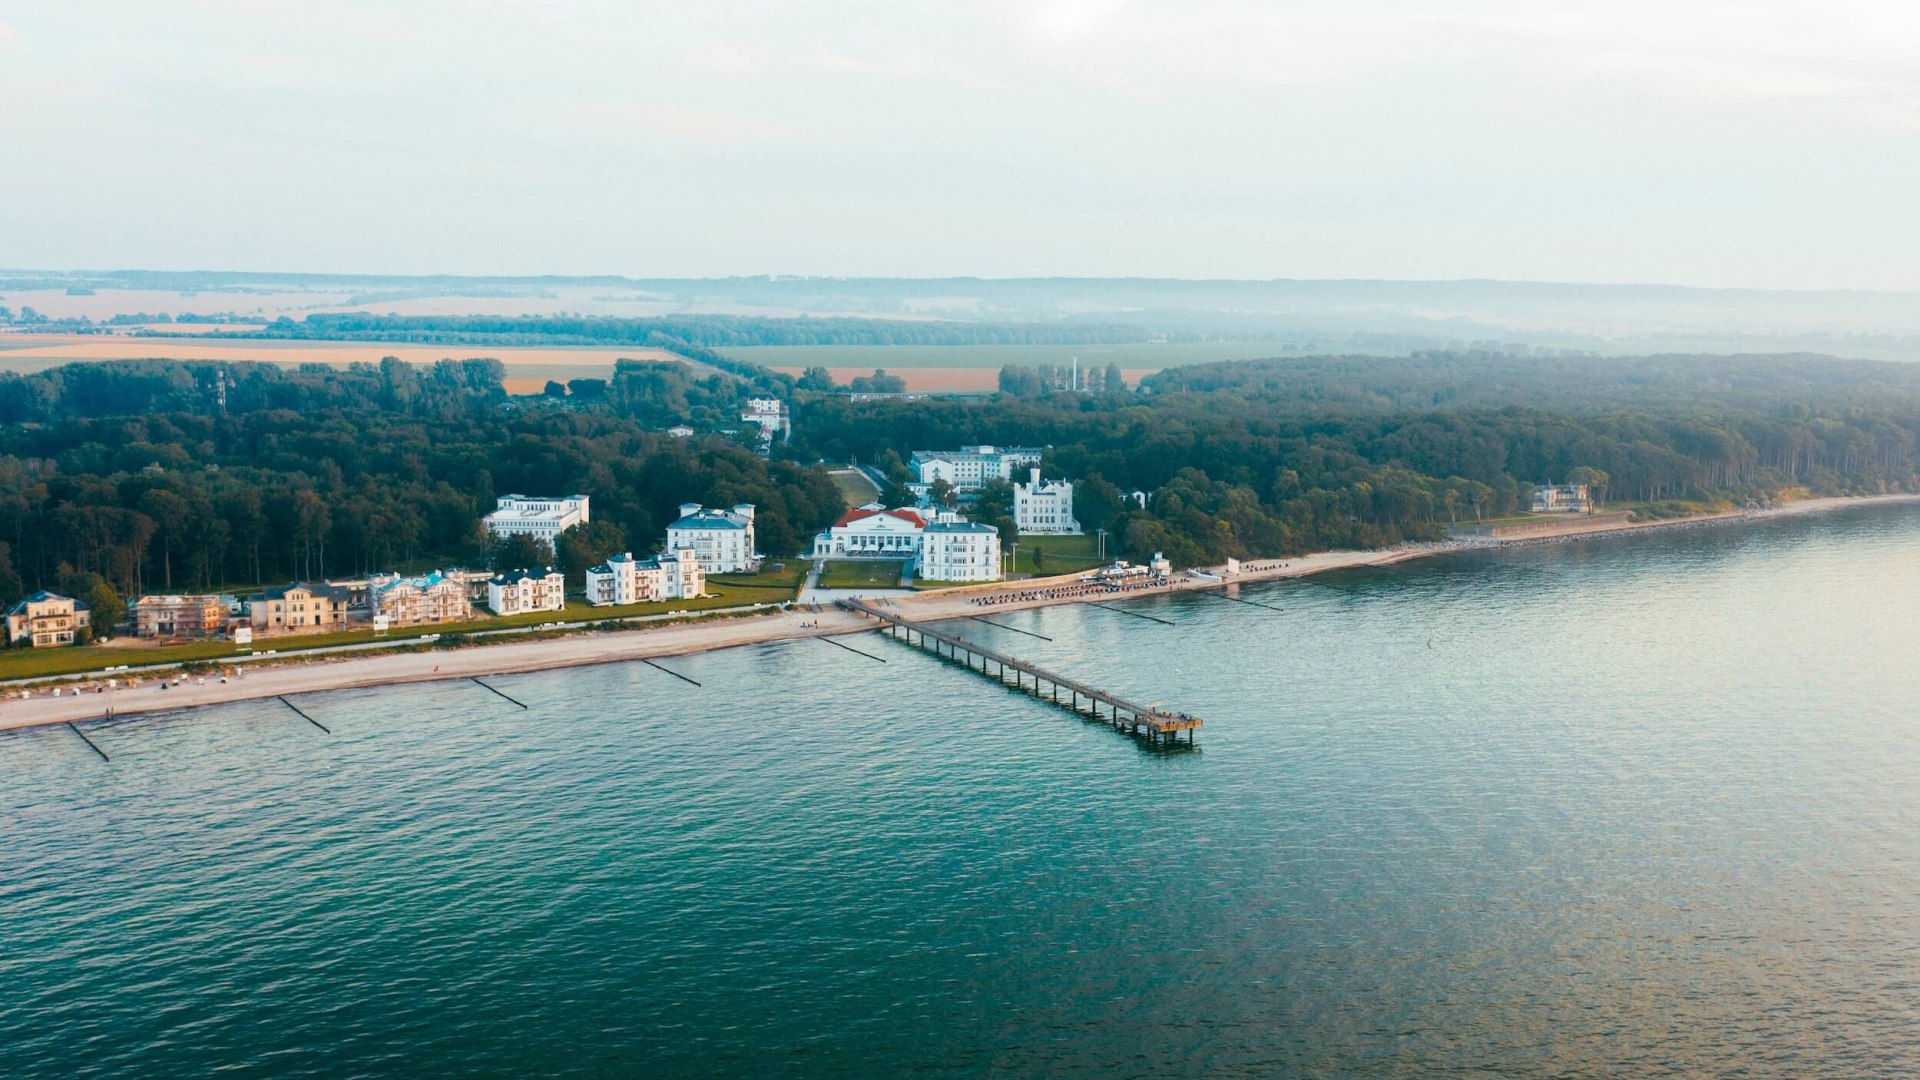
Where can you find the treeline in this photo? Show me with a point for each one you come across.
(135, 387)
(704, 331)
(1277, 457)
(337, 472)
(1032, 380)
(1447, 380)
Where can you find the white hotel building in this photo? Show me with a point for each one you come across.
(872, 532)
(971, 466)
(542, 519)
(955, 550)
(1044, 506)
(623, 579)
(949, 548)
(723, 539)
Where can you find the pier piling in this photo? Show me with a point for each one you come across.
(304, 716)
(668, 670)
(1004, 626)
(853, 650)
(1243, 600)
(1135, 614)
(83, 738)
(501, 693)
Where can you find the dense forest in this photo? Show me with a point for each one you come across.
(1281, 456)
(157, 475)
(165, 475)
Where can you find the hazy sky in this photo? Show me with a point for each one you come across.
(1710, 143)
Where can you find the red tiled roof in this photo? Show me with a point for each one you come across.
(903, 514)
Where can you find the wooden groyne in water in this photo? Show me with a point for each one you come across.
(1157, 726)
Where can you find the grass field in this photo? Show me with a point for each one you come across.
(768, 584)
(1057, 554)
(862, 574)
(856, 488)
(46, 663)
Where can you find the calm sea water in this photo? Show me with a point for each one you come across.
(1641, 806)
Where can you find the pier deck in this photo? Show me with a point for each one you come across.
(1154, 724)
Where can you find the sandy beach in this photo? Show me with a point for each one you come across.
(339, 673)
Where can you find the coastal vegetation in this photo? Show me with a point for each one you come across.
(159, 475)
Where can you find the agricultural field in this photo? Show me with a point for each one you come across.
(960, 369)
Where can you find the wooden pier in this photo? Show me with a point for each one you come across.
(1155, 725)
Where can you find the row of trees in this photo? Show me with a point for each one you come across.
(1033, 380)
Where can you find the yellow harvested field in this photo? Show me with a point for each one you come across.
(950, 380)
(32, 352)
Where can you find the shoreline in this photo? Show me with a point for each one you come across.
(335, 672)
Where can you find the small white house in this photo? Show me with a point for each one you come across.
(1561, 499)
(519, 591)
(1044, 506)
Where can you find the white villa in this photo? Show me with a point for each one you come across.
(47, 619)
(623, 579)
(1561, 499)
(1044, 506)
(540, 589)
(542, 519)
(956, 550)
(948, 548)
(770, 415)
(971, 466)
(723, 539)
(431, 598)
(872, 532)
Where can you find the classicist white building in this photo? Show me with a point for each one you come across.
(623, 579)
(540, 589)
(872, 532)
(1044, 506)
(723, 539)
(956, 550)
(948, 548)
(971, 466)
(542, 519)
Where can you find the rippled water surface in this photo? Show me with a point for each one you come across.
(1641, 806)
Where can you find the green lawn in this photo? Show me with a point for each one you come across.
(768, 584)
(862, 574)
(1058, 554)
